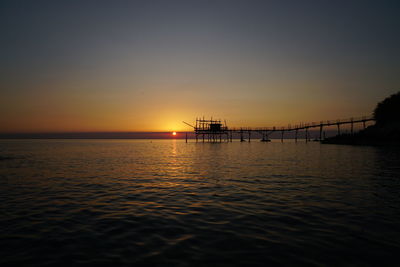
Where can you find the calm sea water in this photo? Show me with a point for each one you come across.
(168, 203)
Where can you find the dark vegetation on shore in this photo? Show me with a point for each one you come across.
(385, 131)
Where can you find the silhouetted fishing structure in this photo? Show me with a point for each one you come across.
(216, 131)
(211, 130)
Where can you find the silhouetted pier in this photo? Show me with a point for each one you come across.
(216, 131)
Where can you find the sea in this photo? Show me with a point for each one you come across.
(171, 203)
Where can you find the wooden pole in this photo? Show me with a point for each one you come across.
(306, 135)
(320, 132)
(351, 127)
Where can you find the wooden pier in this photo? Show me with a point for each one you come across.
(216, 131)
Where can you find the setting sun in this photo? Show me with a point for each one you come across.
(173, 133)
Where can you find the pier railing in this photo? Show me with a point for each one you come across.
(215, 131)
(302, 126)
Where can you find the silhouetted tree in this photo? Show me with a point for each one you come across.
(388, 111)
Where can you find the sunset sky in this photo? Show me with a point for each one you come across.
(149, 65)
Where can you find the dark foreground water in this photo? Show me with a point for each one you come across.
(167, 203)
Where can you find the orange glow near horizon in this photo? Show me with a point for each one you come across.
(174, 133)
(73, 110)
(80, 111)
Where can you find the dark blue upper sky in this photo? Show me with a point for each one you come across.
(96, 65)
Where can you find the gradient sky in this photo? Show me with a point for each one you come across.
(148, 65)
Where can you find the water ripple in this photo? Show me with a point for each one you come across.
(168, 203)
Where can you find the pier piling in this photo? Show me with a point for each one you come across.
(351, 126)
(306, 135)
(320, 131)
(216, 131)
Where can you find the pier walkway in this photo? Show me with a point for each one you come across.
(216, 131)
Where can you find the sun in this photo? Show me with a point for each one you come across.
(173, 133)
